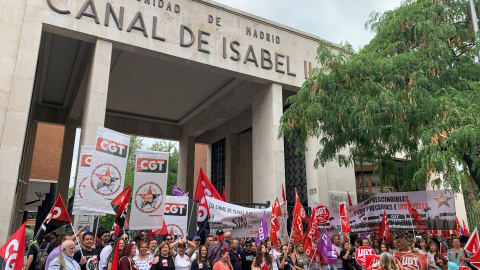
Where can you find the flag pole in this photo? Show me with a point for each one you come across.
(191, 214)
(76, 236)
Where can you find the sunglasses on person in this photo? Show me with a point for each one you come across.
(168, 239)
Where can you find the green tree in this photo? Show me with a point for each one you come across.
(414, 89)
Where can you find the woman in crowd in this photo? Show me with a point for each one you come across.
(126, 260)
(387, 262)
(432, 251)
(285, 261)
(262, 258)
(301, 258)
(404, 247)
(143, 260)
(274, 254)
(163, 260)
(346, 255)
(181, 259)
(224, 262)
(121, 246)
(202, 262)
(383, 248)
(457, 253)
(376, 246)
(422, 246)
(443, 264)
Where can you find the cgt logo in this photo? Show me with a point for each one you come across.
(111, 147)
(86, 160)
(175, 209)
(151, 165)
(11, 254)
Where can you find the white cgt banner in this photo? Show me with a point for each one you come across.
(176, 215)
(108, 166)
(149, 190)
(83, 172)
(241, 221)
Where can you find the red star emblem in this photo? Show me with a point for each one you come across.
(442, 200)
(149, 192)
(107, 173)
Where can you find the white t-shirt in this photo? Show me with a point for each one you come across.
(144, 264)
(182, 263)
(275, 254)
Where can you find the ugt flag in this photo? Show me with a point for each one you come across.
(11, 254)
(263, 230)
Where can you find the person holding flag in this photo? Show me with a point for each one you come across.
(91, 255)
(457, 253)
(262, 260)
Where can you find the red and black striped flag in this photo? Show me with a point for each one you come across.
(120, 206)
(11, 254)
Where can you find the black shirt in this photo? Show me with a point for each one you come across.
(247, 259)
(202, 266)
(348, 263)
(235, 259)
(92, 257)
(164, 263)
(34, 251)
(288, 262)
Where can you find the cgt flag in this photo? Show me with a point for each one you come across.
(57, 218)
(203, 214)
(205, 187)
(263, 230)
(384, 232)
(13, 250)
(120, 206)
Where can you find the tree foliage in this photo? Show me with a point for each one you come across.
(413, 90)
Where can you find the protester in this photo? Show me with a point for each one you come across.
(443, 264)
(432, 251)
(102, 237)
(301, 258)
(422, 246)
(107, 251)
(215, 248)
(224, 262)
(202, 262)
(338, 249)
(235, 256)
(387, 262)
(152, 247)
(60, 239)
(376, 246)
(38, 254)
(227, 236)
(143, 260)
(163, 260)
(346, 256)
(457, 253)
(196, 240)
(64, 260)
(404, 247)
(181, 259)
(275, 253)
(285, 261)
(88, 252)
(126, 258)
(247, 255)
(262, 258)
(383, 248)
(209, 240)
(121, 246)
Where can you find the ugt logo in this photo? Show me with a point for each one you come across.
(111, 147)
(151, 165)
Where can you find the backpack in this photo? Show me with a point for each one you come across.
(42, 256)
(63, 266)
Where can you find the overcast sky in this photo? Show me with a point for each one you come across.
(333, 20)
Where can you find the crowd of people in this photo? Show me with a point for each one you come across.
(222, 252)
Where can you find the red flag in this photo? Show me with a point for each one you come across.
(120, 206)
(459, 227)
(473, 246)
(164, 230)
(265, 266)
(344, 218)
(204, 185)
(443, 252)
(56, 218)
(274, 224)
(171, 232)
(115, 257)
(384, 228)
(297, 219)
(413, 212)
(203, 213)
(224, 198)
(12, 252)
(465, 229)
(283, 194)
(349, 199)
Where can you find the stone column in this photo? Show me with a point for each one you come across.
(231, 164)
(96, 96)
(186, 164)
(208, 170)
(20, 45)
(66, 161)
(267, 150)
(316, 178)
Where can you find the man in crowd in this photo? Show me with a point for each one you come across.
(64, 260)
(38, 253)
(196, 239)
(91, 255)
(60, 239)
(102, 240)
(338, 249)
(235, 257)
(215, 248)
(209, 240)
(152, 247)
(247, 255)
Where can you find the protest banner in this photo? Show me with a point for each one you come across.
(410, 261)
(432, 205)
(108, 166)
(150, 190)
(82, 179)
(176, 215)
(241, 221)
